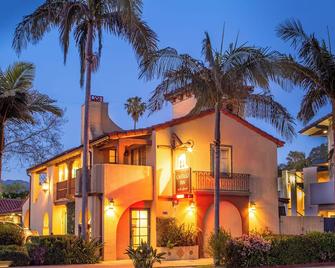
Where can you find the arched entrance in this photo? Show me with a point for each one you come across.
(45, 230)
(230, 220)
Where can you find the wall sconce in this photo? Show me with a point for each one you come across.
(175, 203)
(177, 143)
(45, 186)
(252, 208)
(110, 207)
(191, 207)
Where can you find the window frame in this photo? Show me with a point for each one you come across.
(130, 225)
(212, 156)
(116, 158)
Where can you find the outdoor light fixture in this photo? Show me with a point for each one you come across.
(191, 207)
(325, 131)
(177, 143)
(45, 186)
(110, 207)
(252, 208)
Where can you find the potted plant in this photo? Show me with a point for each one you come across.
(178, 241)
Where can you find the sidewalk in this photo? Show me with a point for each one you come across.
(128, 264)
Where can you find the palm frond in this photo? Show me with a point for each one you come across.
(41, 103)
(263, 106)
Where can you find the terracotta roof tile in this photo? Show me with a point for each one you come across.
(10, 205)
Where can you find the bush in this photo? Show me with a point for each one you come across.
(247, 251)
(254, 250)
(217, 246)
(144, 256)
(11, 234)
(16, 254)
(171, 234)
(63, 249)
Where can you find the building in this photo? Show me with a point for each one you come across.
(11, 210)
(311, 192)
(164, 170)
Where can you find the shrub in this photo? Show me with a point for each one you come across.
(217, 246)
(11, 234)
(144, 256)
(16, 254)
(253, 250)
(247, 251)
(171, 234)
(64, 249)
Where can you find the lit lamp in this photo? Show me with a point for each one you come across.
(191, 207)
(252, 208)
(45, 186)
(110, 207)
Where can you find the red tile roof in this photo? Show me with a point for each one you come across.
(11, 205)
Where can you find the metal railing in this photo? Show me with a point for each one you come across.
(234, 182)
(64, 189)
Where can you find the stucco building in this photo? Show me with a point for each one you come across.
(164, 170)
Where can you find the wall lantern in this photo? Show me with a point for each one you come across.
(110, 207)
(252, 208)
(45, 186)
(191, 207)
(177, 143)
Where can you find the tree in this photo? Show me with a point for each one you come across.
(19, 103)
(297, 160)
(87, 19)
(319, 154)
(223, 77)
(313, 70)
(15, 190)
(135, 108)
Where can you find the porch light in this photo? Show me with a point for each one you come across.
(110, 207)
(252, 208)
(191, 207)
(325, 131)
(45, 186)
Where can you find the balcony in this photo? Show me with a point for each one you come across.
(65, 189)
(322, 193)
(232, 183)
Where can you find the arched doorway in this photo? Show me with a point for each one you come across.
(230, 220)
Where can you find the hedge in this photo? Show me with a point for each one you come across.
(11, 234)
(256, 251)
(18, 255)
(62, 249)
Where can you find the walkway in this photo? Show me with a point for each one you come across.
(128, 264)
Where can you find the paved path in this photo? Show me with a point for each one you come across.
(128, 264)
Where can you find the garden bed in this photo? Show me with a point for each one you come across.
(180, 253)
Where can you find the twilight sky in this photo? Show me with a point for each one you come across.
(179, 24)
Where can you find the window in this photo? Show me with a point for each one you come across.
(112, 156)
(42, 177)
(139, 226)
(225, 159)
(75, 166)
(62, 172)
(138, 156)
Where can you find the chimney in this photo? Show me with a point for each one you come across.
(100, 122)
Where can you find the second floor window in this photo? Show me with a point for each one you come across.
(75, 166)
(62, 172)
(112, 157)
(138, 156)
(225, 159)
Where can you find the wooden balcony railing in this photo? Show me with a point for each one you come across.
(235, 182)
(65, 189)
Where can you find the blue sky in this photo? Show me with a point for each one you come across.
(179, 24)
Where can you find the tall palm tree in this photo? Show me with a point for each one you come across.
(135, 108)
(18, 101)
(313, 70)
(87, 19)
(222, 78)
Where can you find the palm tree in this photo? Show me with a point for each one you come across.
(221, 79)
(87, 19)
(135, 108)
(18, 101)
(313, 71)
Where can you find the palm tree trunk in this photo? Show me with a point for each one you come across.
(217, 143)
(85, 176)
(134, 124)
(2, 141)
(332, 159)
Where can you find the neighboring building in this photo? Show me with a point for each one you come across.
(159, 171)
(311, 191)
(11, 210)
